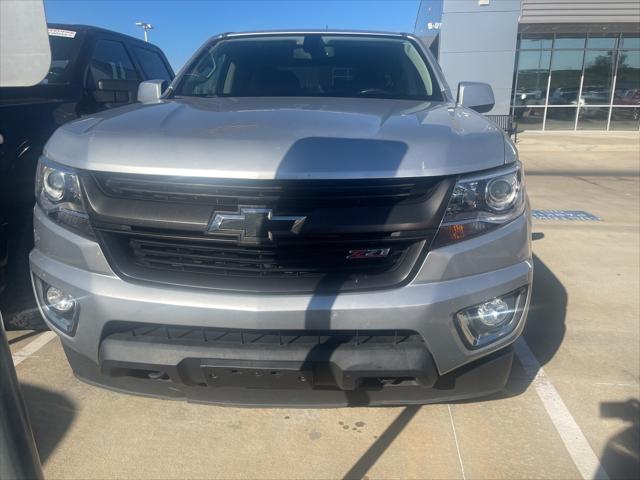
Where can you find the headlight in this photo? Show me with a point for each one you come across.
(58, 194)
(482, 202)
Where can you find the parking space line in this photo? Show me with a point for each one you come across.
(455, 437)
(32, 347)
(574, 440)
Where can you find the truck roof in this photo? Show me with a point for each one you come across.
(80, 28)
(316, 31)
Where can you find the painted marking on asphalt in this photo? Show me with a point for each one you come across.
(455, 437)
(32, 347)
(574, 440)
(565, 215)
(630, 385)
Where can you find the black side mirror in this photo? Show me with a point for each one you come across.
(476, 96)
(110, 91)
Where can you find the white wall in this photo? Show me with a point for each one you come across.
(478, 43)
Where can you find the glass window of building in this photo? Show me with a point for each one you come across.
(602, 41)
(566, 70)
(625, 119)
(627, 92)
(536, 42)
(569, 41)
(628, 78)
(532, 77)
(593, 81)
(599, 67)
(631, 41)
(596, 89)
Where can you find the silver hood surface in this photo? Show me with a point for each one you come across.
(285, 138)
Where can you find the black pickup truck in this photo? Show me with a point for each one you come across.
(92, 69)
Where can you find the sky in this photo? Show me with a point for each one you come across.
(181, 26)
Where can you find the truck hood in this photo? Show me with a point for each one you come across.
(285, 138)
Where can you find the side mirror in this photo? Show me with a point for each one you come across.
(151, 90)
(111, 91)
(476, 96)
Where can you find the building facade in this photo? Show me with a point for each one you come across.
(553, 64)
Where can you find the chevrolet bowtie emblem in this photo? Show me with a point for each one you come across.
(256, 225)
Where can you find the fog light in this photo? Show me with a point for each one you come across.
(60, 308)
(489, 321)
(59, 301)
(493, 313)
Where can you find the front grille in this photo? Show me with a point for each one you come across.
(242, 261)
(155, 230)
(230, 193)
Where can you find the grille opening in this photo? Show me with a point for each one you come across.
(203, 257)
(397, 381)
(140, 373)
(282, 338)
(276, 268)
(156, 229)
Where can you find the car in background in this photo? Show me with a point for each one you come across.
(630, 97)
(92, 69)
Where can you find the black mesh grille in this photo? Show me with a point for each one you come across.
(241, 261)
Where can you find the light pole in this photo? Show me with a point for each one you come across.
(145, 26)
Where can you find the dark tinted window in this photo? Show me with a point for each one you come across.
(63, 53)
(152, 64)
(110, 60)
(311, 65)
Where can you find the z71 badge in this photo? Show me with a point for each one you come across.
(368, 253)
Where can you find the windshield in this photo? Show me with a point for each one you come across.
(311, 65)
(63, 51)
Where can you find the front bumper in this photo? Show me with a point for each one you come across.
(452, 278)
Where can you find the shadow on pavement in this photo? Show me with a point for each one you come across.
(17, 301)
(621, 456)
(23, 337)
(375, 451)
(543, 332)
(51, 415)
(545, 327)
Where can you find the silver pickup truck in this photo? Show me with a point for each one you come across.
(304, 217)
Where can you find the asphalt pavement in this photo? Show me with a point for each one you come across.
(571, 408)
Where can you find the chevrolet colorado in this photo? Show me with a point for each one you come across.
(301, 218)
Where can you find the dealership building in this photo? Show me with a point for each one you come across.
(553, 64)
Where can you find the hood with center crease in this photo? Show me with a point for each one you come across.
(286, 138)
